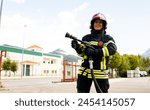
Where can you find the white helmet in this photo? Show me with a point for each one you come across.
(101, 17)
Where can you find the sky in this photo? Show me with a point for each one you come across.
(45, 23)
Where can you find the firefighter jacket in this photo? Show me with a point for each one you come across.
(104, 47)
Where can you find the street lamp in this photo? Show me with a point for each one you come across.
(22, 69)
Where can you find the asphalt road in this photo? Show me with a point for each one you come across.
(45, 85)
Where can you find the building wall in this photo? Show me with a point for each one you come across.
(40, 64)
(52, 66)
(70, 70)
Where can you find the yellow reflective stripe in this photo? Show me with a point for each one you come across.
(99, 76)
(103, 75)
(85, 56)
(81, 55)
(96, 43)
(93, 43)
(110, 41)
(95, 71)
(105, 51)
(103, 64)
(83, 73)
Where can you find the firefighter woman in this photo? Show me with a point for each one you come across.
(104, 47)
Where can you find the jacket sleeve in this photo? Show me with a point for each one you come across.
(109, 47)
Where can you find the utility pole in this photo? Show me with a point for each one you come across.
(22, 68)
(1, 12)
(2, 51)
(1, 55)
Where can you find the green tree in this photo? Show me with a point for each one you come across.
(125, 65)
(134, 61)
(13, 67)
(144, 63)
(114, 62)
(6, 65)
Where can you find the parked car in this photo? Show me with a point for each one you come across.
(143, 73)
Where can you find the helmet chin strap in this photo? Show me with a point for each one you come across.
(98, 31)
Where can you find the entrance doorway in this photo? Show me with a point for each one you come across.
(26, 70)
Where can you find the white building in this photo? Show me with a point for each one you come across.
(33, 62)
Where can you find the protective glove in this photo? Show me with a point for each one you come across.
(93, 52)
(89, 51)
(74, 44)
(78, 47)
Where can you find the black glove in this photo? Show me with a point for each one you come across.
(74, 44)
(78, 47)
(89, 51)
(93, 52)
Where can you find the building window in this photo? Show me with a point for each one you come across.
(52, 62)
(68, 73)
(47, 71)
(52, 71)
(44, 71)
(55, 71)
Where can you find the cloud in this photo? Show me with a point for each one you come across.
(66, 17)
(70, 19)
(18, 1)
(81, 7)
(40, 31)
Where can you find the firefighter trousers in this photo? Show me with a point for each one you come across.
(84, 84)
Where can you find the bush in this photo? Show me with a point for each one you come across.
(148, 73)
(123, 73)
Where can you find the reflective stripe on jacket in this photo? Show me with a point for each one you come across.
(97, 73)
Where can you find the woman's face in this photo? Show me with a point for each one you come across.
(98, 24)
